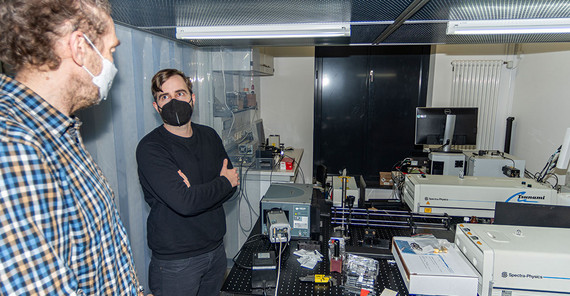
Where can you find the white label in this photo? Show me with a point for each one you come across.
(303, 222)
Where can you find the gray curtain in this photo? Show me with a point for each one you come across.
(112, 130)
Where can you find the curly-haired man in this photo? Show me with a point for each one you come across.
(60, 233)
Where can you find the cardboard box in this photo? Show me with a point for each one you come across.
(434, 274)
(386, 179)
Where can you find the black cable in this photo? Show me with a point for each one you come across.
(252, 239)
(271, 173)
(398, 165)
(283, 251)
(503, 155)
(548, 177)
(444, 144)
(550, 164)
(528, 174)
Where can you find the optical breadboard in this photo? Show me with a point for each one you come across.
(517, 260)
(470, 195)
(295, 201)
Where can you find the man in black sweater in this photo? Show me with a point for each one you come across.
(186, 177)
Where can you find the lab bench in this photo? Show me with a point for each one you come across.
(238, 281)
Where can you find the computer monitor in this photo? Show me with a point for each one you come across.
(260, 132)
(431, 125)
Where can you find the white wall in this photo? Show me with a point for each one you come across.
(441, 76)
(537, 88)
(541, 103)
(287, 101)
(443, 55)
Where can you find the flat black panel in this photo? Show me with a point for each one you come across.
(508, 213)
(344, 89)
(367, 125)
(395, 92)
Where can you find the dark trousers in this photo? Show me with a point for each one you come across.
(201, 275)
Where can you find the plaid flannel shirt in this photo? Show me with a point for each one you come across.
(60, 230)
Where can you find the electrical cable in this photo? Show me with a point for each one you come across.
(282, 252)
(398, 165)
(547, 171)
(550, 176)
(243, 229)
(278, 267)
(401, 177)
(250, 240)
(504, 157)
(514, 165)
(444, 144)
(250, 208)
(271, 173)
(549, 166)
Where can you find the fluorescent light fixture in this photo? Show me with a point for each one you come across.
(514, 26)
(265, 31)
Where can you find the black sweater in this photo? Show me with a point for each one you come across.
(183, 221)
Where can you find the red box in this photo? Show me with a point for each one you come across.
(287, 163)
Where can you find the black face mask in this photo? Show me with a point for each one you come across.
(176, 112)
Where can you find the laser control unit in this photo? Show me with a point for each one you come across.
(517, 260)
(471, 195)
(294, 200)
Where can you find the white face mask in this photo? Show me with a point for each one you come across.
(104, 80)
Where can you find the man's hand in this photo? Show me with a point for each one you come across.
(230, 174)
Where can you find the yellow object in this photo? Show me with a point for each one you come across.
(321, 278)
(427, 210)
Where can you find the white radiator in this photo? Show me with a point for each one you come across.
(476, 83)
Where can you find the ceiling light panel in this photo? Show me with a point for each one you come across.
(264, 31)
(523, 26)
(493, 9)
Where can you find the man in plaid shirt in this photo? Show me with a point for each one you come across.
(60, 231)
